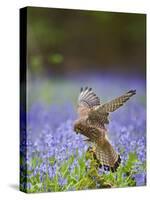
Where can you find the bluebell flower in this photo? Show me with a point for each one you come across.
(49, 133)
(62, 181)
(140, 179)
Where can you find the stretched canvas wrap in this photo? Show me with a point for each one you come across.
(82, 99)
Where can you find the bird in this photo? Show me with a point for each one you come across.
(91, 122)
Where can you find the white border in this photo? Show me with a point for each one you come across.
(9, 100)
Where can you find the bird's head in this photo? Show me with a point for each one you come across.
(78, 126)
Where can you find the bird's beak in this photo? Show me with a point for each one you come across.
(75, 129)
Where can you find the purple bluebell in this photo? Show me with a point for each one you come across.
(50, 139)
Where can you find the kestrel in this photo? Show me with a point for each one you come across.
(91, 123)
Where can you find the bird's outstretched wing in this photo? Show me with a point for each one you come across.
(116, 103)
(87, 100)
(100, 114)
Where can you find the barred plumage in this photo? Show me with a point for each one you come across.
(88, 98)
(91, 123)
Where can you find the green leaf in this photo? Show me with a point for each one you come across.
(52, 160)
(56, 58)
(132, 159)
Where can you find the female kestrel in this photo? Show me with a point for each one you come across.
(91, 123)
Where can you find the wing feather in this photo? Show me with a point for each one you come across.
(100, 114)
(88, 98)
(116, 103)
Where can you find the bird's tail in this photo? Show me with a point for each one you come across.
(107, 156)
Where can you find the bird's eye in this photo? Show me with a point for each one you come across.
(77, 130)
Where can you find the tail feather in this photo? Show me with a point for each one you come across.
(107, 157)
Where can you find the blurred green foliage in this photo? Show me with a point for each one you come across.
(55, 58)
(68, 41)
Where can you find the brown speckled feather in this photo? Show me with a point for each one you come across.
(87, 101)
(107, 156)
(100, 113)
(116, 103)
(104, 152)
(91, 123)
